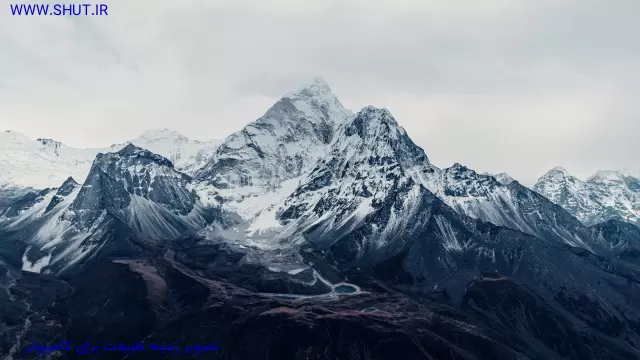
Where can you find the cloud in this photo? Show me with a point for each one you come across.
(498, 85)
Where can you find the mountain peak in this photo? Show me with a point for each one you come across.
(557, 174)
(66, 188)
(457, 167)
(370, 109)
(130, 149)
(155, 134)
(603, 175)
(504, 178)
(134, 151)
(605, 195)
(376, 123)
(320, 82)
(315, 100)
(16, 137)
(317, 86)
(70, 180)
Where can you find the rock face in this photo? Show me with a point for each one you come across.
(513, 205)
(504, 178)
(132, 192)
(604, 196)
(367, 172)
(623, 239)
(320, 234)
(140, 188)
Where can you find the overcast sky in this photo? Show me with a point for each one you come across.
(498, 85)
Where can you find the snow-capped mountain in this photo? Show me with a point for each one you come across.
(255, 169)
(143, 190)
(45, 163)
(41, 163)
(281, 145)
(309, 164)
(364, 184)
(503, 178)
(309, 197)
(187, 155)
(514, 205)
(130, 193)
(604, 196)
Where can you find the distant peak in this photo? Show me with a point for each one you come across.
(314, 100)
(318, 87)
(14, 135)
(457, 167)
(557, 173)
(65, 189)
(606, 175)
(153, 134)
(319, 81)
(504, 178)
(133, 152)
(374, 121)
(373, 112)
(130, 149)
(371, 108)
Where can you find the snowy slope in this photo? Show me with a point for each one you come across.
(513, 205)
(503, 178)
(284, 146)
(186, 155)
(280, 145)
(604, 196)
(45, 163)
(362, 186)
(129, 193)
(143, 190)
(256, 168)
(40, 163)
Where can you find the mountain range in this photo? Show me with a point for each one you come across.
(606, 195)
(317, 233)
(46, 163)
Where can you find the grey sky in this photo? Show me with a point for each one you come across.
(498, 85)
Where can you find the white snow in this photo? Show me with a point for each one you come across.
(157, 222)
(46, 163)
(603, 195)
